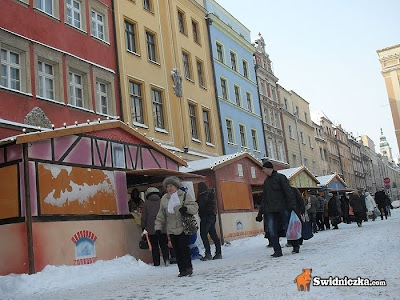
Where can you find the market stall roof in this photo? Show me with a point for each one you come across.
(214, 163)
(90, 128)
(300, 177)
(328, 179)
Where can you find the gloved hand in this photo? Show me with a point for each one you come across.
(259, 218)
(143, 229)
(183, 209)
(158, 232)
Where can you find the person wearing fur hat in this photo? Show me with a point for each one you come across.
(174, 204)
(150, 209)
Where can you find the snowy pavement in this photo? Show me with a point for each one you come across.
(247, 271)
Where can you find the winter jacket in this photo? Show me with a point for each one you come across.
(277, 194)
(369, 202)
(299, 201)
(380, 199)
(150, 209)
(321, 204)
(334, 209)
(313, 201)
(206, 203)
(356, 203)
(173, 221)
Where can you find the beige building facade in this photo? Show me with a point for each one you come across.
(389, 59)
(166, 76)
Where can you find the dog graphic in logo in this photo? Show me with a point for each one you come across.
(303, 280)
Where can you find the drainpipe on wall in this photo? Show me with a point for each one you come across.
(28, 211)
(117, 60)
(209, 22)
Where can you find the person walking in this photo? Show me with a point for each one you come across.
(278, 202)
(320, 212)
(356, 203)
(334, 210)
(312, 210)
(206, 202)
(370, 205)
(150, 209)
(174, 204)
(380, 199)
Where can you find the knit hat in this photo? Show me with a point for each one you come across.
(172, 180)
(268, 165)
(330, 195)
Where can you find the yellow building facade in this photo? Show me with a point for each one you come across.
(389, 59)
(166, 77)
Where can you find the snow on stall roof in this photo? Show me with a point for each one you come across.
(290, 172)
(207, 163)
(326, 179)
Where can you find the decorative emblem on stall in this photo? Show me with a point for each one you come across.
(85, 248)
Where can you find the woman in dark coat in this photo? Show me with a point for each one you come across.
(150, 210)
(334, 210)
(358, 207)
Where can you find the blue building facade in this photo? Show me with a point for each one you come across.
(235, 80)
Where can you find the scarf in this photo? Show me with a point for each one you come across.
(173, 201)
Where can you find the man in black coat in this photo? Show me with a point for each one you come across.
(278, 201)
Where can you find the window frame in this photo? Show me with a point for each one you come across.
(230, 132)
(249, 100)
(233, 59)
(73, 87)
(195, 32)
(70, 7)
(42, 76)
(158, 109)
(193, 120)
(9, 65)
(200, 72)
(245, 68)
(254, 138)
(238, 95)
(100, 96)
(224, 88)
(187, 65)
(131, 37)
(95, 30)
(148, 5)
(220, 52)
(243, 135)
(119, 161)
(151, 46)
(207, 127)
(181, 21)
(136, 101)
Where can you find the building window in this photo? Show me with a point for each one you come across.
(45, 6)
(220, 53)
(224, 90)
(291, 131)
(181, 22)
(273, 92)
(186, 65)
(46, 80)
(97, 25)
(207, 126)
(254, 139)
(242, 132)
(157, 109)
(118, 155)
(233, 61)
(229, 131)
(10, 69)
(249, 102)
(151, 46)
(262, 85)
(310, 141)
(305, 117)
(281, 152)
(195, 28)
(286, 104)
(147, 5)
(294, 158)
(297, 112)
(102, 98)
(193, 121)
(135, 93)
(74, 13)
(270, 148)
(245, 69)
(130, 36)
(200, 74)
(303, 141)
(237, 95)
(76, 89)
(277, 120)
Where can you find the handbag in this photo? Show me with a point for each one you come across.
(306, 231)
(143, 242)
(294, 228)
(189, 221)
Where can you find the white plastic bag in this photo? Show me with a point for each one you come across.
(294, 228)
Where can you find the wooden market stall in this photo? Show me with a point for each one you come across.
(64, 198)
(302, 179)
(237, 180)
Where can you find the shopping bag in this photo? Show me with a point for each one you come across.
(306, 231)
(144, 242)
(294, 228)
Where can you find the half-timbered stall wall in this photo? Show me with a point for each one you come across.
(64, 199)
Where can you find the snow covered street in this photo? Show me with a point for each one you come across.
(247, 271)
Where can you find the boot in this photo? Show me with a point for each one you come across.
(217, 256)
(277, 254)
(206, 257)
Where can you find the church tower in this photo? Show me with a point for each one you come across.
(384, 147)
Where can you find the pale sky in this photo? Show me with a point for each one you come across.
(325, 50)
